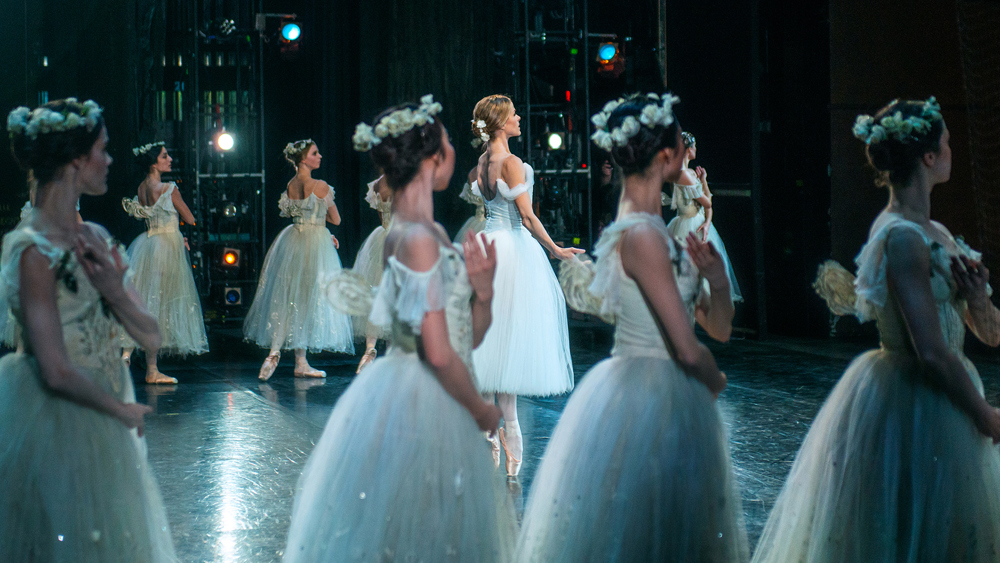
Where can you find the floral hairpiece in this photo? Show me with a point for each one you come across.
(395, 124)
(146, 148)
(479, 127)
(297, 147)
(44, 120)
(896, 126)
(657, 111)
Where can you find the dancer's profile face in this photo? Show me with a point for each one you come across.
(674, 160)
(513, 126)
(446, 167)
(692, 152)
(941, 166)
(312, 159)
(92, 169)
(164, 162)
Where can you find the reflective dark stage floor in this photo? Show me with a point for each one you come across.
(228, 449)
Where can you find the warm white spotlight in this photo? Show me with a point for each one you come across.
(555, 141)
(225, 141)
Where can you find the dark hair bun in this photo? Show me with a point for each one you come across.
(896, 160)
(636, 155)
(400, 157)
(45, 154)
(150, 156)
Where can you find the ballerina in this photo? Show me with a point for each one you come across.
(369, 262)
(513, 360)
(693, 201)
(289, 310)
(638, 466)
(900, 463)
(162, 269)
(401, 472)
(79, 486)
(477, 222)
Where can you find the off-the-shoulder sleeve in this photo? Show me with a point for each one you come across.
(871, 285)
(14, 245)
(407, 295)
(286, 207)
(510, 193)
(371, 196)
(136, 209)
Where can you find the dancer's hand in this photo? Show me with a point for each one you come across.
(972, 278)
(701, 174)
(489, 417)
(186, 245)
(481, 264)
(988, 422)
(708, 261)
(104, 267)
(703, 230)
(336, 243)
(565, 253)
(132, 416)
(725, 382)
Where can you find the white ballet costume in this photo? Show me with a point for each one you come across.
(369, 262)
(290, 309)
(401, 472)
(891, 469)
(690, 216)
(163, 276)
(477, 222)
(638, 466)
(78, 485)
(526, 349)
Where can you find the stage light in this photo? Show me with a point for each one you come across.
(290, 31)
(606, 52)
(225, 141)
(233, 296)
(556, 141)
(230, 257)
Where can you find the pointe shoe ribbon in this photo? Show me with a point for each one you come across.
(512, 464)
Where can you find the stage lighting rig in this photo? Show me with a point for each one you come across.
(556, 141)
(223, 140)
(232, 296)
(290, 31)
(227, 27)
(231, 257)
(606, 52)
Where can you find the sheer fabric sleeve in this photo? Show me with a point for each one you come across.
(835, 285)
(575, 278)
(509, 193)
(371, 196)
(406, 295)
(286, 207)
(348, 292)
(136, 209)
(609, 270)
(871, 285)
(14, 245)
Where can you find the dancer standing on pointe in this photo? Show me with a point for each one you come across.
(477, 222)
(78, 486)
(901, 464)
(289, 309)
(638, 466)
(526, 350)
(369, 263)
(693, 201)
(401, 471)
(162, 269)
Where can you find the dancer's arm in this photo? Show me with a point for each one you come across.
(419, 252)
(481, 266)
(181, 207)
(44, 332)
(646, 259)
(513, 174)
(907, 263)
(705, 201)
(715, 314)
(332, 213)
(982, 317)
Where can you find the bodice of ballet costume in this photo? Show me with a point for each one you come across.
(310, 211)
(161, 217)
(684, 197)
(475, 199)
(501, 212)
(375, 202)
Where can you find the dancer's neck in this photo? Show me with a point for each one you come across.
(154, 176)
(641, 193)
(55, 209)
(303, 173)
(912, 201)
(499, 144)
(415, 202)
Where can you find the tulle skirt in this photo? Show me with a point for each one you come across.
(369, 264)
(526, 349)
(890, 470)
(401, 473)
(164, 280)
(290, 309)
(474, 224)
(679, 227)
(637, 469)
(77, 486)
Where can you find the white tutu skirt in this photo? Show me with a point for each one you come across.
(637, 470)
(890, 470)
(474, 224)
(77, 486)
(369, 264)
(164, 280)
(679, 227)
(526, 349)
(401, 473)
(290, 309)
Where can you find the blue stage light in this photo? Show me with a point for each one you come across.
(290, 32)
(607, 51)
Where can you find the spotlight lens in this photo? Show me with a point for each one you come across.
(232, 297)
(555, 141)
(230, 258)
(290, 31)
(226, 142)
(607, 52)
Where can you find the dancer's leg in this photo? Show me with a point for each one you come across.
(370, 353)
(270, 363)
(511, 436)
(153, 375)
(302, 367)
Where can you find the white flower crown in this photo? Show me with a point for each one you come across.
(297, 147)
(146, 148)
(395, 124)
(484, 137)
(43, 120)
(658, 111)
(896, 126)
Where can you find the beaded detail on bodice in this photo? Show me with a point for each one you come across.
(161, 217)
(307, 211)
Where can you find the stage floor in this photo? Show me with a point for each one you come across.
(227, 449)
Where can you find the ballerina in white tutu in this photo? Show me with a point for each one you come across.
(693, 201)
(901, 464)
(477, 222)
(638, 466)
(289, 309)
(78, 486)
(162, 269)
(526, 350)
(401, 471)
(369, 263)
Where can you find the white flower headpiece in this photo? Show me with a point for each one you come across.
(44, 120)
(896, 126)
(479, 128)
(657, 111)
(146, 148)
(395, 124)
(297, 147)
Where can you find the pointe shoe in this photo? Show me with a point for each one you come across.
(512, 464)
(157, 378)
(368, 358)
(494, 441)
(267, 368)
(303, 369)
